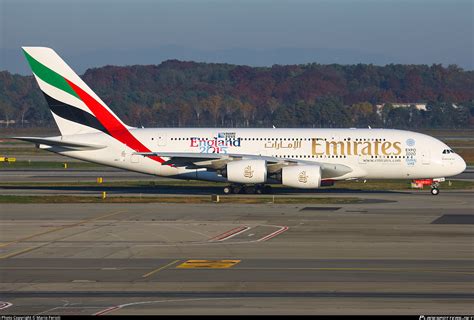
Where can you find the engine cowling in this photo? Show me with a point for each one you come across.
(303, 177)
(247, 171)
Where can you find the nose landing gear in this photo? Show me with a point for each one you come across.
(434, 183)
(434, 191)
(434, 188)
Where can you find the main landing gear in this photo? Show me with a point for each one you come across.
(247, 189)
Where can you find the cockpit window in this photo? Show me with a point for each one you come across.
(447, 151)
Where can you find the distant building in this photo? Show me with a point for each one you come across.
(418, 106)
(7, 122)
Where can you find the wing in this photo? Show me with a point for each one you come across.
(217, 161)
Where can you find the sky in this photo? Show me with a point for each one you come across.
(94, 33)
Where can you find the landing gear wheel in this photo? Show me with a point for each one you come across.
(434, 191)
(249, 189)
(236, 189)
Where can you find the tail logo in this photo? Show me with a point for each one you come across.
(59, 90)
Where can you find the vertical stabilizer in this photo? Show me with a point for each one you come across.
(75, 107)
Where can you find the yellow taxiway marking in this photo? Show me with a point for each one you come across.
(15, 253)
(59, 228)
(208, 264)
(159, 269)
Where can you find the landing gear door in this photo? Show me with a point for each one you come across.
(162, 139)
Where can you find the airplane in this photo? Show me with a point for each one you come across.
(248, 160)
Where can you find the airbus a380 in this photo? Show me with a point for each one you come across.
(249, 160)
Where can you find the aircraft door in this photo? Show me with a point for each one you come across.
(425, 157)
(363, 159)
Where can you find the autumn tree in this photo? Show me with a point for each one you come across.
(179, 93)
(212, 105)
(362, 114)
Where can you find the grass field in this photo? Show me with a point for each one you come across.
(49, 165)
(171, 199)
(314, 198)
(370, 185)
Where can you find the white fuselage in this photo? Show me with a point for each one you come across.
(370, 153)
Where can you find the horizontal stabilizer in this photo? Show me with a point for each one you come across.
(58, 142)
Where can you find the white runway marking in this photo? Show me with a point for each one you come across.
(230, 233)
(4, 305)
(121, 306)
(273, 234)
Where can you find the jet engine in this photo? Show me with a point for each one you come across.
(247, 171)
(303, 177)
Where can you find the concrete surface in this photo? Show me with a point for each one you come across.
(387, 255)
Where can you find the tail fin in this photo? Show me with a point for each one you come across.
(75, 107)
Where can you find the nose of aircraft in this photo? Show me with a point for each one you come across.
(459, 164)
